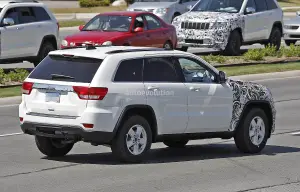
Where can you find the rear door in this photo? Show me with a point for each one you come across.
(156, 32)
(28, 31)
(58, 83)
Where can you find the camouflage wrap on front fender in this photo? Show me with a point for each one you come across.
(244, 92)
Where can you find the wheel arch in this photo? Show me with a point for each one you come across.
(239, 29)
(145, 111)
(279, 25)
(264, 105)
(51, 39)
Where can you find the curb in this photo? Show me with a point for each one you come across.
(253, 77)
(284, 61)
(69, 28)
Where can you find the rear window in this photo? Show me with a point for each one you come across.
(59, 68)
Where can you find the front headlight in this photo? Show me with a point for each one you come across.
(219, 25)
(130, 9)
(108, 43)
(64, 43)
(161, 11)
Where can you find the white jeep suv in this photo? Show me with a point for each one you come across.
(130, 97)
(28, 31)
(226, 25)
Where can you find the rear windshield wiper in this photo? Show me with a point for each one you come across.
(57, 76)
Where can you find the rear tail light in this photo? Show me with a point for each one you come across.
(88, 126)
(91, 93)
(21, 119)
(27, 88)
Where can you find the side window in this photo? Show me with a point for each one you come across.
(26, 15)
(251, 4)
(40, 14)
(160, 69)
(271, 4)
(261, 5)
(13, 14)
(193, 71)
(130, 71)
(139, 22)
(152, 22)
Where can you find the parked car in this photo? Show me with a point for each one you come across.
(124, 28)
(130, 97)
(165, 9)
(28, 31)
(291, 30)
(225, 25)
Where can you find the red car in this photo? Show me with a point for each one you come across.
(124, 28)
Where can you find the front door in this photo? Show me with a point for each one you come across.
(166, 93)
(209, 103)
(11, 36)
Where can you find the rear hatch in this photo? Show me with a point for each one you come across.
(59, 86)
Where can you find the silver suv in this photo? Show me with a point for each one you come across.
(130, 97)
(165, 9)
(28, 31)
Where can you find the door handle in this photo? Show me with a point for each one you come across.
(153, 88)
(20, 28)
(194, 89)
(39, 26)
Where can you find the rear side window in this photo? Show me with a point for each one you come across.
(271, 4)
(26, 15)
(40, 14)
(160, 69)
(130, 71)
(261, 5)
(58, 68)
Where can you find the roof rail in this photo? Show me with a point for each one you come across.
(91, 47)
(23, 1)
(87, 46)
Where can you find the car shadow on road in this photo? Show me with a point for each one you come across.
(168, 155)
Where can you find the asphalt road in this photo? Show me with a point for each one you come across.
(207, 165)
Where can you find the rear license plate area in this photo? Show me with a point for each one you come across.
(53, 97)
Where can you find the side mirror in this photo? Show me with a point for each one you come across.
(138, 29)
(222, 77)
(189, 7)
(81, 27)
(8, 22)
(249, 10)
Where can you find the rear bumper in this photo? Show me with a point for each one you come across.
(67, 132)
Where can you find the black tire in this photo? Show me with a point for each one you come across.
(290, 42)
(233, 47)
(119, 147)
(176, 144)
(48, 147)
(242, 135)
(184, 49)
(275, 38)
(175, 15)
(168, 45)
(43, 52)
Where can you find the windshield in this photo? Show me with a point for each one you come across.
(155, 0)
(229, 6)
(108, 23)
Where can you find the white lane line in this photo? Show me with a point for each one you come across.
(279, 78)
(13, 105)
(295, 133)
(11, 134)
